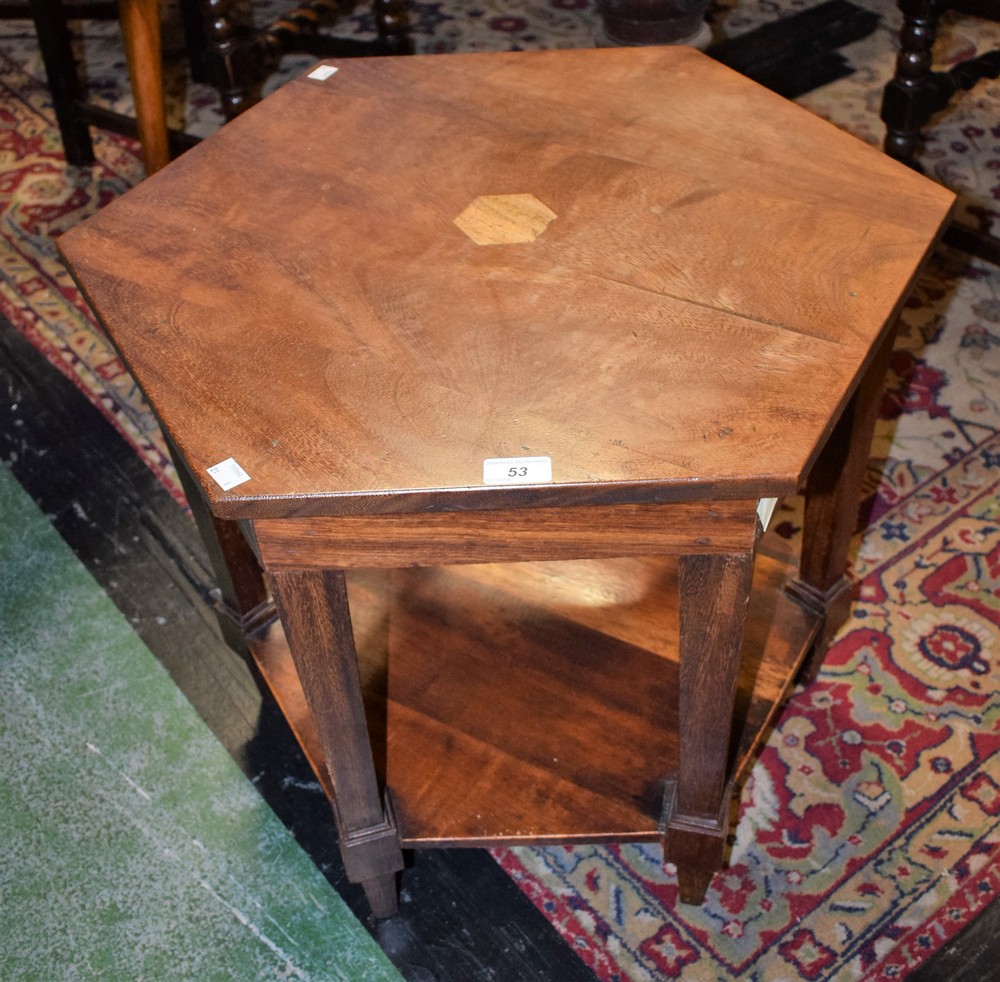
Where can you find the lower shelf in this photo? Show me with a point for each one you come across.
(536, 702)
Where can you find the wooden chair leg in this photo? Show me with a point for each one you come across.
(56, 47)
(714, 598)
(832, 499)
(231, 62)
(911, 97)
(391, 24)
(140, 20)
(316, 617)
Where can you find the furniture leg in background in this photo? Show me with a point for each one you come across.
(917, 92)
(140, 21)
(55, 43)
(240, 57)
(628, 22)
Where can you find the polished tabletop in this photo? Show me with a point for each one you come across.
(627, 275)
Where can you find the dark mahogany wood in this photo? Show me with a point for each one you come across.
(647, 229)
(557, 682)
(241, 598)
(832, 495)
(714, 597)
(516, 535)
(519, 255)
(317, 623)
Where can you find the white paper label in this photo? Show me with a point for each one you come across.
(765, 509)
(228, 474)
(517, 470)
(323, 72)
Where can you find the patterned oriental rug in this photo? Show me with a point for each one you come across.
(869, 831)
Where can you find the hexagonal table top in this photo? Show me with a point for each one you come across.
(625, 274)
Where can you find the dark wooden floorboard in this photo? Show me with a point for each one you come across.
(461, 919)
(973, 956)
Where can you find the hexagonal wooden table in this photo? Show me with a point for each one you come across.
(538, 332)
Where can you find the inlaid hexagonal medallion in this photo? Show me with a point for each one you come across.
(502, 219)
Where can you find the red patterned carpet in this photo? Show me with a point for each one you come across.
(869, 832)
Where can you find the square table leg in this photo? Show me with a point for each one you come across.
(714, 595)
(832, 499)
(316, 617)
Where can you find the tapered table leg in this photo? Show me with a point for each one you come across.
(714, 598)
(316, 617)
(832, 498)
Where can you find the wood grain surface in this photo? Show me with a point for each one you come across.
(536, 702)
(516, 535)
(295, 292)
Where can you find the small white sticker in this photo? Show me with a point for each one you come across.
(765, 509)
(228, 474)
(517, 470)
(323, 72)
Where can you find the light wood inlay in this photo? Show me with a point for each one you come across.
(505, 218)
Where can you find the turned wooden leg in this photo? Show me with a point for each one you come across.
(226, 57)
(714, 597)
(317, 621)
(140, 21)
(832, 499)
(911, 98)
(391, 23)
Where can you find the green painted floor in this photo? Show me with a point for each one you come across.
(131, 846)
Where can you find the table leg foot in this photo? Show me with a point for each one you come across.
(372, 858)
(382, 895)
(316, 616)
(697, 848)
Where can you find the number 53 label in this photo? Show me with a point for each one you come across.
(517, 470)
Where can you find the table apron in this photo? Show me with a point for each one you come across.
(513, 535)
